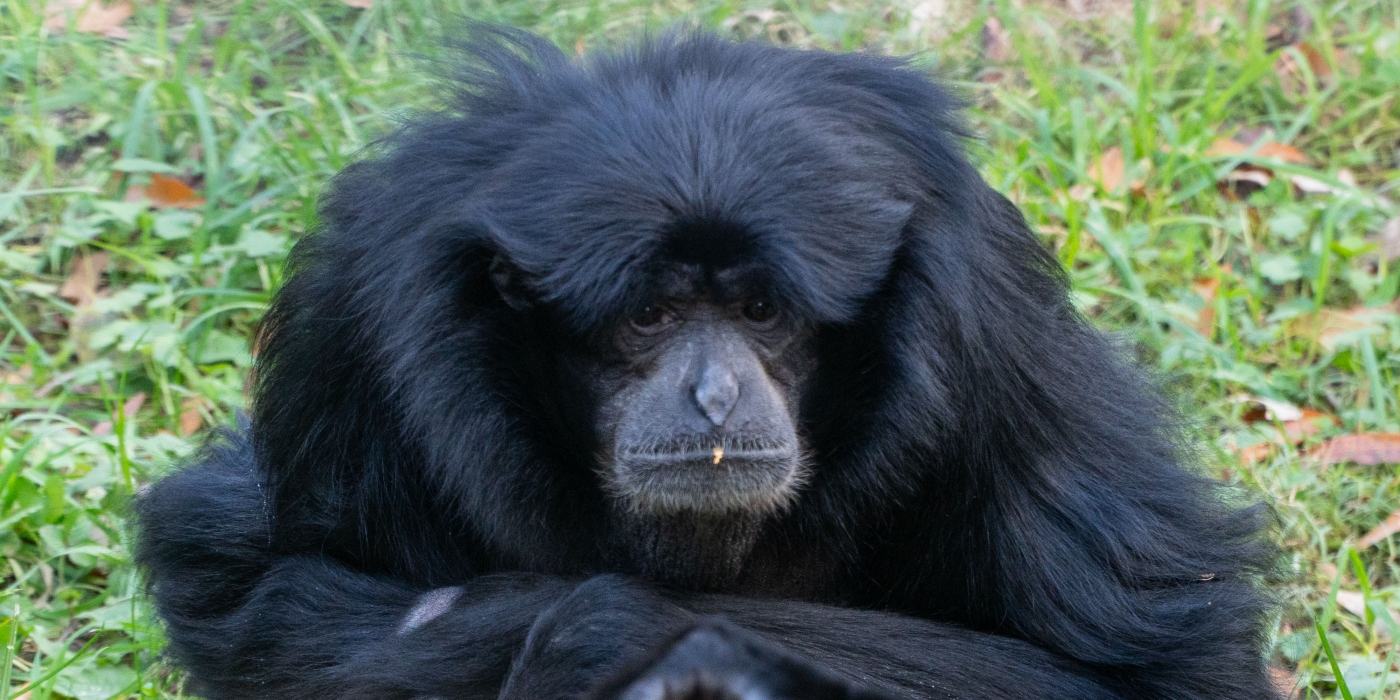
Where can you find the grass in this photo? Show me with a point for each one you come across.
(125, 325)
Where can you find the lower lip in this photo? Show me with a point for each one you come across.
(709, 457)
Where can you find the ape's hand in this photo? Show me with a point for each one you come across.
(717, 661)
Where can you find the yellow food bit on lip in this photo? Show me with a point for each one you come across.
(719, 454)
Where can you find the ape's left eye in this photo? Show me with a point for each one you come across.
(652, 318)
(760, 311)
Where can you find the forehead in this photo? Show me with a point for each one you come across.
(720, 186)
(694, 282)
(719, 261)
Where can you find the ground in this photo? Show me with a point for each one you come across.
(1219, 178)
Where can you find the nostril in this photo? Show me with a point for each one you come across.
(717, 393)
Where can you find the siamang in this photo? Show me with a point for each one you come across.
(696, 369)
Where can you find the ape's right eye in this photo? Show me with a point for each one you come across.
(652, 318)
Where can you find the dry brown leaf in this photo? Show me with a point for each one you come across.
(84, 279)
(1363, 448)
(90, 16)
(1256, 452)
(1353, 602)
(1296, 423)
(1388, 527)
(1225, 147)
(1081, 192)
(1243, 181)
(1305, 185)
(359, 4)
(1290, 73)
(134, 404)
(1108, 169)
(1284, 682)
(190, 417)
(1283, 152)
(1246, 178)
(21, 375)
(1329, 325)
(996, 41)
(1269, 149)
(1310, 423)
(170, 193)
(1262, 408)
(1317, 60)
(1205, 288)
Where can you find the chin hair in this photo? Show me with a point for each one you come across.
(686, 548)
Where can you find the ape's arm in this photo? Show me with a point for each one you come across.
(247, 623)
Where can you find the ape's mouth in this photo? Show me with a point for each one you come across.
(727, 475)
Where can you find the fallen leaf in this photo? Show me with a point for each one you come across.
(1268, 149)
(1363, 448)
(1256, 452)
(1317, 61)
(1245, 180)
(90, 16)
(1225, 147)
(359, 4)
(168, 193)
(1305, 185)
(996, 41)
(1310, 423)
(133, 404)
(1329, 325)
(1296, 423)
(190, 417)
(1290, 73)
(1267, 409)
(1205, 288)
(1352, 602)
(83, 280)
(1283, 152)
(1284, 682)
(1108, 169)
(1251, 174)
(21, 375)
(1081, 192)
(1388, 527)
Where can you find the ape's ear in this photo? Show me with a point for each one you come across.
(510, 283)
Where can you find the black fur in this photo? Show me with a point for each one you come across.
(996, 507)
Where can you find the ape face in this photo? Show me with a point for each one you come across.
(698, 402)
(695, 415)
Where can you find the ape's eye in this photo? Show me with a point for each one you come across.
(760, 311)
(652, 318)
